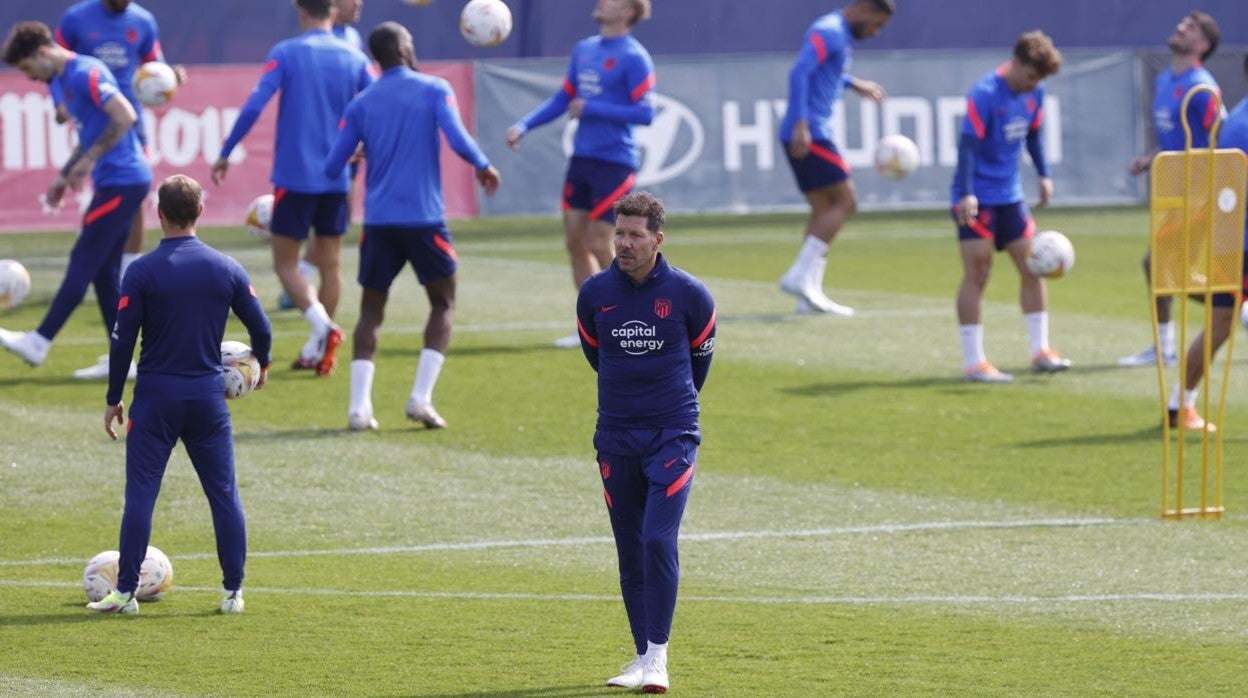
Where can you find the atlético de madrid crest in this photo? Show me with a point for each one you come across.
(662, 307)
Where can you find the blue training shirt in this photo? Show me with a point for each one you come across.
(819, 76)
(651, 345)
(1234, 134)
(997, 123)
(350, 35)
(122, 40)
(180, 295)
(615, 77)
(398, 119)
(318, 75)
(1202, 111)
(86, 86)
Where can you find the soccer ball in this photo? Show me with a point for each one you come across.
(259, 215)
(155, 83)
(155, 575)
(14, 283)
(1051, 255)
(896, 157)
(240, 369)
(485, 23)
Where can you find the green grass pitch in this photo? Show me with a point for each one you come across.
(862, 523)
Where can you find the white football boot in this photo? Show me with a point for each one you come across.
(232, 603)
(425, 414)
(99, 370)
(571, 341)
(362, 421)
(116, 602)
(32, 348)
(630, 674)
(654, 674)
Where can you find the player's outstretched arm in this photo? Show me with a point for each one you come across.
(489, 179)
(270, 82)
(868, 89)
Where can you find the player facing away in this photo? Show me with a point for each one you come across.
(1004, 109)
(348, 14)
(816, 81)
(317, 75)
(179, 297)
(397, 121)
(124, 36)
(648, 329)
(1232, 134)
(108, 149)
(1195, 38)
(607, 90)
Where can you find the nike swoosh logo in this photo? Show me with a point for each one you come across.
(609, 308)
(671, 462)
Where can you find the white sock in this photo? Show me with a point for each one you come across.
(972, 345)
(362, 372)
(653, 650)
(427, 370)
(1038, 331)
(127, 258)
(307, 270)
(38, 341)
(1189, 397)
(1166, 330)
(318, 319)
(816, 273)
(811, 251)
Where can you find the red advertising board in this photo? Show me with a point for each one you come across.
(184, 137)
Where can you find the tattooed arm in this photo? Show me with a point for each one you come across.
(121, 119)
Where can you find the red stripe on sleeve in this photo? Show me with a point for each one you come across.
(973, 114)
(1038, 120)
(710, 325)
(821, 49)
(252, 290)
(569, 87)
(270, 66)
(645, 86)
(153, 54)
(60, 38)
(590, 340)
(1211, 112)
(121, 304)
(93, 80)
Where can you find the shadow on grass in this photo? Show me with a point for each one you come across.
(950, 384)
(496, 350)
(1147, 434)
(36, 377)
(548, 692)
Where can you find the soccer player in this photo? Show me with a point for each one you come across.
(318, 75)
(348, 14)
(397, 120)
(607, 89)
(1232, 134)
(816, 81)
(648, 329)
(1195, 38)
(124, 36)
(180, 296)
(109, 150)
(1004, 108)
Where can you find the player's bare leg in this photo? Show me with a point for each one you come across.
(585, 255)
(976, 268)
(830, 208)
(1165, 329)
(441, 295)
(364, 348)
(1033, 297)
(326, 253)
(324, 337)
(1220, 325)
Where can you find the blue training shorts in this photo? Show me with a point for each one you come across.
(822, 167)
(595, 185)
(295, 214)
(384, 249)
(999, 224)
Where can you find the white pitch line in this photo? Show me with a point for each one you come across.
(712, 536)
(956, 600)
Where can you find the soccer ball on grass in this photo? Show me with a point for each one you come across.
(155, 575)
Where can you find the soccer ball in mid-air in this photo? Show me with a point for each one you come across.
(1051, 255)
(155, 83)
(259, 215)
(485, 23)
(896, 157)
(14, 283)
(240, 368)
(155, 575)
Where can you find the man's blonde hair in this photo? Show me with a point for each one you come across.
(641, 11)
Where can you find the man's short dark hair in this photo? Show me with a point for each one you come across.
(316, 9)
(1209, 28)
(384, 42)
(642, 203)
(181, 200)
(885, 6)
(24, 41)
